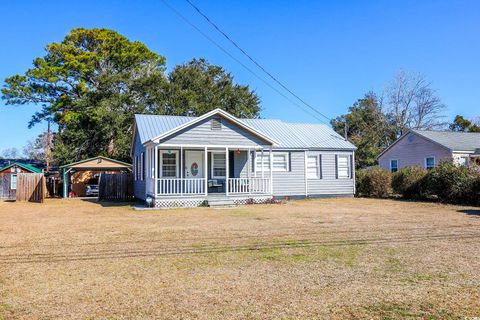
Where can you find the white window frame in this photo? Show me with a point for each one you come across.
(349, 166)
(163, 151)
(467, 160)
(318, 167)
(434, 162)
(391, 167)
(266, 166)
(11, 181)
(212, 162)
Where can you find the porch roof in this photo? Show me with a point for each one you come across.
(287, 135)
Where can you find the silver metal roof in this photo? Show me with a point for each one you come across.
(455, 141)
(288, 135)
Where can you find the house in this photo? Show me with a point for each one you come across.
(185, 161)
(8, 177)
(81, 177)
(428, 148)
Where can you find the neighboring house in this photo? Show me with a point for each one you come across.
(8, 177)
(428, 148)
(183, 161)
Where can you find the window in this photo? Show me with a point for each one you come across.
(13, 182)
(343, 167)
(430, 163)
(218, 165)
(216, 124)
(463, 161)
(169, 164)
(280, 161)
(313, 167)
(393, 165)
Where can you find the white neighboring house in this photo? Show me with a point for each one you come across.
(185, 161)
(428, 148)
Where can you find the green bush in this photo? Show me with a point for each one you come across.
(409, 182)
(451, 183)
(374, 182)
(474, 194)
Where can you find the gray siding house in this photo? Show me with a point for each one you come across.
(185, 161)
(428, 148)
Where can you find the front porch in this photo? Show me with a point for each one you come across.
(190, 175)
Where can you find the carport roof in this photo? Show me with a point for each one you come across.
(99, 162)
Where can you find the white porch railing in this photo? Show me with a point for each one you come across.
(248, 185)
(194, 186)
(179, 186)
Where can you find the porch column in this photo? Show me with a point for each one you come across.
(271, 170)
(305, 172)
(155, 173)
(227, 169)
(205, 166)
(64, 177)
(181, 171)
(249, 168)
(262, 164)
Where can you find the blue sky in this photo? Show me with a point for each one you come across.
(330, 53)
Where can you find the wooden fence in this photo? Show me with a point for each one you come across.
(31, 187)
(115, 187)
(6, 193)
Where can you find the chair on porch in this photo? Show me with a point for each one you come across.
(215, 185)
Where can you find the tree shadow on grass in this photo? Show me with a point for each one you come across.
(471, 212)
(109, 203)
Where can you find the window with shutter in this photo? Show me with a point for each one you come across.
(343, 167)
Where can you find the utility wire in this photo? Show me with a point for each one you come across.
(181, 16)
(253, 60)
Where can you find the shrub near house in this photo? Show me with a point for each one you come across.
(447, 182)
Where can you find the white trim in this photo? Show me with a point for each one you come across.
(155, 169)
(434, 162)
(162, 151)
(390, 164)
(207, 115)
(227, 168)
(205, 169)
(271, 169)
(349, 166)
(211, 146)
(11, 181)
(273, 154)
(305, 173)
(318, 174)
(142, 157)
(211, 164)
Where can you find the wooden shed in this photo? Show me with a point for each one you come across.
(79, 175)
(8, 178)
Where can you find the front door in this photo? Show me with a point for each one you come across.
(194, 164)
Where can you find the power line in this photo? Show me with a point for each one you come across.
(253, 60)
(240, 62)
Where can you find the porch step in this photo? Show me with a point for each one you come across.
(221, 203)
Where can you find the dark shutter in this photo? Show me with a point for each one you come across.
(320, 172)
(290, 162)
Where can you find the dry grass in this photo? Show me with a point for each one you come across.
(337, 258)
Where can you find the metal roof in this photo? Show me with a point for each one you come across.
(288, 135)
(25, 166)
(455, 141)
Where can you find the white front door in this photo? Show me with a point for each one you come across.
(194, 164)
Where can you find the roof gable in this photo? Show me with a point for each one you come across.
(24, 166)
(98, 162)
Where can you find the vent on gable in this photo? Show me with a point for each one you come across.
(216, 124)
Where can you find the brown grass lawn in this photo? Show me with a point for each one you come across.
(336, 258)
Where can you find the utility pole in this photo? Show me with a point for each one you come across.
(345, 127)
(47, 155)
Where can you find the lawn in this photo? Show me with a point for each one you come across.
(314, 259)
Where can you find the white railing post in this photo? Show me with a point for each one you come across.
(227, 169)
(205, 172)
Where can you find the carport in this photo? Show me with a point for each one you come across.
(76, 175)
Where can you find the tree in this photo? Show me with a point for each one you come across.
(413, 104)
(367, 127)
(197, 87)
(460, 124)
(37, 149)
(93, 82)
(11, 153)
